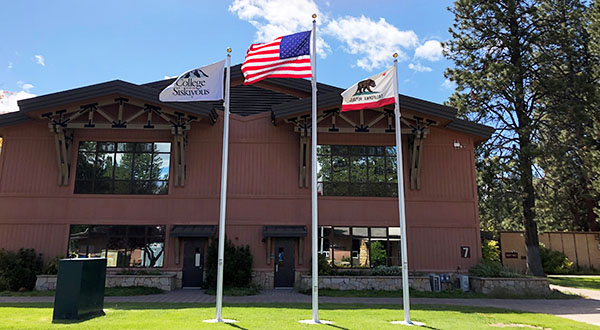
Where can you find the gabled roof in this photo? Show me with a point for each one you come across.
(288, 99)
(13, 118)
(333, 100)
(82, 94)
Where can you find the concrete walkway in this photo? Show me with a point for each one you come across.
(583, 310)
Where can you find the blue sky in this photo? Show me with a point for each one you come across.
(50, 46)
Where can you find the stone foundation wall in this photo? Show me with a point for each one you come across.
(266, 279)
(166, 282)
(386, 283)
(512, 286)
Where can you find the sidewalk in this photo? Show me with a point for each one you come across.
(582, 310)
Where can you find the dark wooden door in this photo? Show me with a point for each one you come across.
(193, 262)
(284, 262)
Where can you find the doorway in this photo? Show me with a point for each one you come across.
(193, 262)
(284, 262)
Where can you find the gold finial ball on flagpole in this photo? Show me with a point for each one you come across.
(229, 49)
(395, 55)
(314, 16)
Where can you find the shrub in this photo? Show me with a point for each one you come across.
(490, 252)
(51, 267)
(555, 262)
(19, 269)
(378, 254)
(492, 269)
(324, 265)
(237, 269)
(387, 271)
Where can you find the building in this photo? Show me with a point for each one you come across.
(108, 170)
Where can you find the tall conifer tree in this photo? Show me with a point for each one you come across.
(493, 47)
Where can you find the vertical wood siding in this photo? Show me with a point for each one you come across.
(263, 189)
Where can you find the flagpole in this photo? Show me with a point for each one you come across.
(221, 252)
(315, 209)
(401, 204)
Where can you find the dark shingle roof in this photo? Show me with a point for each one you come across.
(143, 93)
(13, 118)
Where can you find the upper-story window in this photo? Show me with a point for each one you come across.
(123, 168)
(357, 170)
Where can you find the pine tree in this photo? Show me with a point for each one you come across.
(566, 132)
(493, 48)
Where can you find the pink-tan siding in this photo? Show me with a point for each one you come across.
(262, 190)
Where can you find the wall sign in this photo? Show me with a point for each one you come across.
(511, 255)
(465, 251)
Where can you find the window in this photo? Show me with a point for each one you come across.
(123, 246)
(123, 168)
(360, 247)
(357, 170)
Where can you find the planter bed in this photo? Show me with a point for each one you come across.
(165, 282)
(386, 283)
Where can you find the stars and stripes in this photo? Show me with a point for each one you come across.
(284, 57)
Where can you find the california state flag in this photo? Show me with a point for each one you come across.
(373, 92)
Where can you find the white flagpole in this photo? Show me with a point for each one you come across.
(401, 206)
(315, 209)
(223, 207)
(313, 156)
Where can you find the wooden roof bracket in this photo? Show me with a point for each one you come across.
(179, 145)
(63, 139)
(303, 154)
(415, 149)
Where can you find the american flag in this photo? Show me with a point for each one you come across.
(284, 57)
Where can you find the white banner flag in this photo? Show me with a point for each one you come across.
(201, 84)
(373, 92)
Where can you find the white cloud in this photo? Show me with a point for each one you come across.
(430, 50)
(275, 18)
(10, 65)
(419, 68)
(169, 77)
(39, 59)
(24, 86)
(8, 100)
(448, 84)
(374, 41)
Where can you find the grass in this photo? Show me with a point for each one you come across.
(246, 291)
(118, 291)
(591, 282)
(281, 316)
(444, 294)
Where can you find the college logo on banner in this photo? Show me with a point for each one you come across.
(201, 84)
(370, 93)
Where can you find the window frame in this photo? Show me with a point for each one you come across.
(89, 185)
(385, 186)
(330, 237)
(148, 236)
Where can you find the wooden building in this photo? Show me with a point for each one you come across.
(108, 170)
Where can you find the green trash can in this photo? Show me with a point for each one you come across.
(79, 289)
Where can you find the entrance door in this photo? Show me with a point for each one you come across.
(193, 262)
(284, 262)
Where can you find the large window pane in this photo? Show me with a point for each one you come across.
(142, 166)
(357, 170)
(123, 246)
(160, 169)
(123, 168)
(342, 244)
(360, 247)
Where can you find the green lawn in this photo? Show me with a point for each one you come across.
(119, 291)
(281, 316)
(591, 282)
